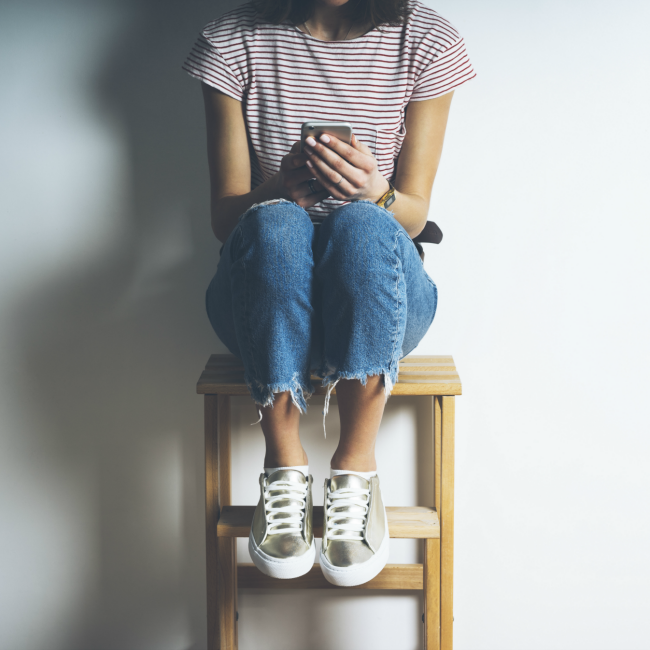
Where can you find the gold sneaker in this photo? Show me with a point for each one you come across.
(355, 530)
(281, 541)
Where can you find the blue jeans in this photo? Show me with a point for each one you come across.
(347, 298)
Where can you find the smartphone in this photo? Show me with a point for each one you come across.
(341, 130)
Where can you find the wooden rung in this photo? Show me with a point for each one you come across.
(394, 576)
(426, 367)
(407, 523)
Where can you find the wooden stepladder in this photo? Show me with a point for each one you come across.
(433, 376)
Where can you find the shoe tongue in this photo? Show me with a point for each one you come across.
(292, 475)
(348, 481)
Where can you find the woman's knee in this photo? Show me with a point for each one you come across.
(275, 230)
(360, 215)
(358, 230)
(275, 219)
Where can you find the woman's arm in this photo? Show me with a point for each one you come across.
(230, 167)
(229, 162)
(350, 171)
(418, 161)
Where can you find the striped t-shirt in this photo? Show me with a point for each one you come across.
(285, 77)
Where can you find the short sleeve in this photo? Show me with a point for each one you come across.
(205, 62)
(445, 70)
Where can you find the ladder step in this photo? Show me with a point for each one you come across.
(416, 522)
(393, 576)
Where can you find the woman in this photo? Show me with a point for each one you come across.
(316, 274)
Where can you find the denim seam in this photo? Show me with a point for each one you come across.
(251, 351)
(436, 308)
(387, 380)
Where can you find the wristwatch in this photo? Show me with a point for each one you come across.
(388, 198)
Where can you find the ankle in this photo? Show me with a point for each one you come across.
(354, 463)
(283, 458)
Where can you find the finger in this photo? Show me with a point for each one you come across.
(361, 146)
(330, 179)
(333, 169)
(305, 188)
(299, 190)
(312, 199)
(298, 176)
(307, 198)
(353, 174)
(291, 161)
(315, 183)
(298, 157)
(358, 155)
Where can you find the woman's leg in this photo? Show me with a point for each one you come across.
(280, 424)
(377, 303)
(260, 305)
(360, 409)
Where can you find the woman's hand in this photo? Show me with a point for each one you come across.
(348, 171)
(293, 180)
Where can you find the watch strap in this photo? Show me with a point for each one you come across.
(387, 198)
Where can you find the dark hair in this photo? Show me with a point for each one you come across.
(376, 12)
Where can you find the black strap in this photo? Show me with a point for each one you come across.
(430, 235)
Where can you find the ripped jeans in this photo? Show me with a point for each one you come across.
(347, 298)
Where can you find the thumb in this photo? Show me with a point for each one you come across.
(360, 146)
(295, 147)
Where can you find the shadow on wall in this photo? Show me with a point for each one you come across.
(108, 351)
(109, 354)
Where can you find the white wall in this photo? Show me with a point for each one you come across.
(105, 254)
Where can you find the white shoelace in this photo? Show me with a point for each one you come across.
(339, 506)
(292, 514)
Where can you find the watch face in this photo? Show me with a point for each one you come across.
(390, 200)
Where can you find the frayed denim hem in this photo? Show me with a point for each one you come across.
(333, 376)
(263, 394)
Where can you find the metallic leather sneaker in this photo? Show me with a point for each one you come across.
(281, 541)
(355, 530)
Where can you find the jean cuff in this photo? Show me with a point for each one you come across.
(263, 394)
(331, 377)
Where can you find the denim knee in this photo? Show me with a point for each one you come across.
(359, 235)
(361, 215)
(275, 229)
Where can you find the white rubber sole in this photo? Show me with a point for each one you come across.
(282, 568)
(357, 574)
